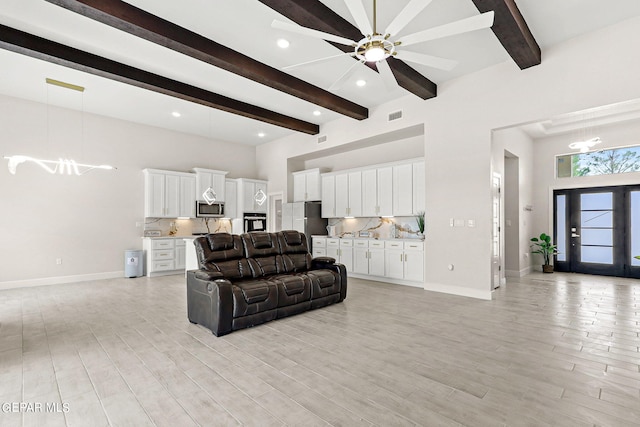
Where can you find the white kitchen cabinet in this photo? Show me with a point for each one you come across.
(168, 194)
(318, 247)
(414, 261)
(418, 187)
(355, 194)
(348, 194)
(307, 185)
(180, 254)
(361, 257)
(394, 259)
(377, 192)
(385, 191)
(328, 196)
(210, 178)
(342, 251)
(376, 258)
(252, 196)
(231, 198)
(403, 190)
(342, 195)
(370, 192)
(405, 260)
(164, 256)
(346, 254)
(187, 196)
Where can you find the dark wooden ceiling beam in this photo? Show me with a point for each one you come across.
(315, 15)
(47, 50)
(140, 23)
(512, 31)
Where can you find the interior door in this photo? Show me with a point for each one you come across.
(595, 229)
(496, 253)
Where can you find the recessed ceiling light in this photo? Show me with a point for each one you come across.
(176, 114)
(316, 112)
(261, 134)
(283, 43)
(361, 83)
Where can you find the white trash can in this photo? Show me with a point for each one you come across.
(133, 263)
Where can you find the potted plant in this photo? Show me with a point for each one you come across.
(420, 222)
(542, 245)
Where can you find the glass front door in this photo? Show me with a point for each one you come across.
(597, 230)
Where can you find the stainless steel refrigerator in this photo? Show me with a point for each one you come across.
(304, 217)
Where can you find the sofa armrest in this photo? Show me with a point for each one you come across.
(208, 275)
(321, 261)
(210, 302)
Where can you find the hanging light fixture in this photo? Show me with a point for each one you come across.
(585, 146)
(209, 196)
(60, 166)
(260, 197)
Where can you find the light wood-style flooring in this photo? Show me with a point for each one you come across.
(555, 349)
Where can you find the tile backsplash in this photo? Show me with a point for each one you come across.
(186, 227)
(382, 228)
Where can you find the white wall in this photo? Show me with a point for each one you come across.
(408, 148)
(90, 220)
(591, 70)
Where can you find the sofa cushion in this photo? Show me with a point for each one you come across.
(222, 252)
(323, 283)
(292, 288)
(263, 253)
(295, 251)
(254, 296)
(259, 244)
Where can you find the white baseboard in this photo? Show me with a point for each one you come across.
(45, 281)
(516, 273)
(458, 290)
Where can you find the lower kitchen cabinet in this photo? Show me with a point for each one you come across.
(396, 261)
(164, 256)
(404, 260)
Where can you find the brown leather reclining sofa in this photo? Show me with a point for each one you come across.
(245, 280)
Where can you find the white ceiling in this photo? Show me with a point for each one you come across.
(244, 25)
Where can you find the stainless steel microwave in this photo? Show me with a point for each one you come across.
(206, 210)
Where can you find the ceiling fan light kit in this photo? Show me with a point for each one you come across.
(378, 48)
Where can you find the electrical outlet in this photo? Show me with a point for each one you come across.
(58, 261)
(138, 224)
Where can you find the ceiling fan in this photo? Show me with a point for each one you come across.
(378, 47)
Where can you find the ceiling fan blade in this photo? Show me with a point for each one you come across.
(387, 75)
(428, 60)
(343, 78)
(406, 15)
(478, 22)
(295, 28)
(360, 15)
(313, 61)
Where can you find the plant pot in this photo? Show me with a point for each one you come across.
(547, 268)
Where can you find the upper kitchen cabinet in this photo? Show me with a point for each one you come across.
(252, 196)
(389, 189)
(348, 194)
(418, 187)
(328, 196)
(209, 178)
(403, 190)
(169, 194)
(377, 192)
(307, 185)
